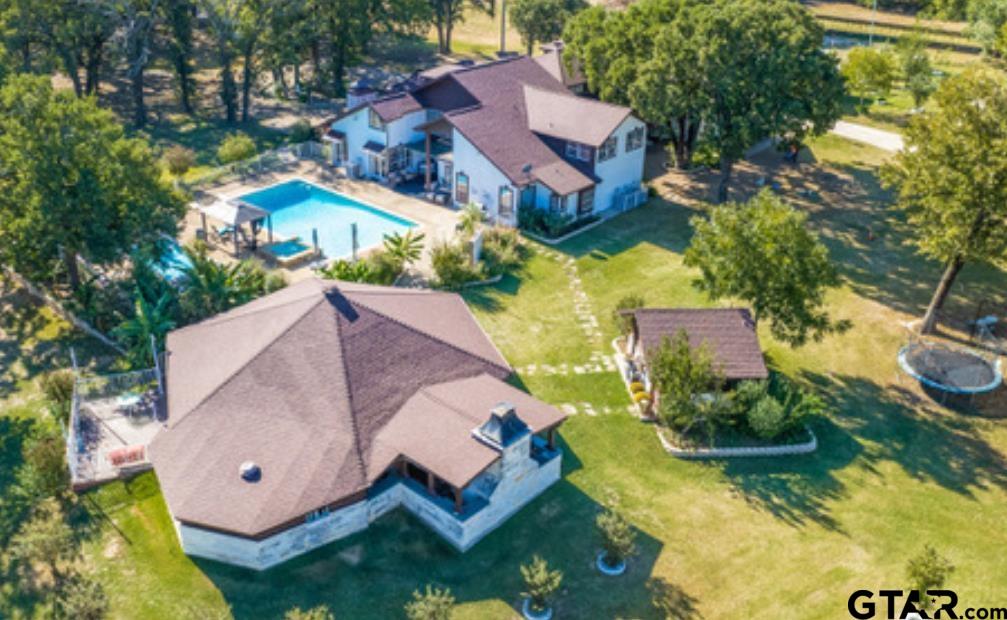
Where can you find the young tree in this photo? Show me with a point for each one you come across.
(74, 185)
(870, 72)
(432, 604)
(179, 160)
(917, 72)
(950, 177)
(540, 582)
(44, 473)
(681, 375)
(540, 21)
(762, 252)
(236, 147)
(928, 571)
(617, 535)
(319, 612)
(57, 386)
(82, 598)
(987, 19)
(404, 249)
(44, 540)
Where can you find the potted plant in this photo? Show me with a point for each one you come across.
(618, 540)
(540, 583)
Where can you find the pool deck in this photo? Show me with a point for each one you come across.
(436, 222)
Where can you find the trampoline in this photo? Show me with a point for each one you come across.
(950, 369)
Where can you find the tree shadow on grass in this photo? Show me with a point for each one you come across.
(797, 489)
(897, 423)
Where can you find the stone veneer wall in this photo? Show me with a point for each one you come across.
(521, 481)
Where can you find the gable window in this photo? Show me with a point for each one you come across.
(576, 150)
(506, 201)
(607, 149)
(634, 139)
(374, 120)
(462, 188)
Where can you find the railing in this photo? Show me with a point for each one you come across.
(261, 163)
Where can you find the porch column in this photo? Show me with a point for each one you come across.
(430, 482)
(426, 167)
(234, 234)
(458, 499)
(552, 439)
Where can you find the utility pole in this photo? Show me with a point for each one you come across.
(503, 26)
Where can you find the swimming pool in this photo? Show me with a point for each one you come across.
(297, 207)
(173, 262)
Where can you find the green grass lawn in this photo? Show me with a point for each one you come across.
(763, 538)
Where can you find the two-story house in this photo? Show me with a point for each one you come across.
(500, 135)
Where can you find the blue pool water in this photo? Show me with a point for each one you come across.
(173, 262)
(297, 207)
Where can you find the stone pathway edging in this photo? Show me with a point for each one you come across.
(753, 451)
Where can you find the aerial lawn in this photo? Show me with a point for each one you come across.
(766, 538)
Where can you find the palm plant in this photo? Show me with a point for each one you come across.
(404, 249)
(470, 219)
(540, 582)
(148, 320)
(346, 271)
(210, 287)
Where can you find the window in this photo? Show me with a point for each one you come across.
(462, 188)
(585, 201)
(374, 120)
(576, 150)
(607, 149)
(506, 202)
(634, 139)
(557, 203)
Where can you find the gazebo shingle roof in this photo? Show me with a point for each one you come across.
(729, 332)
(322, 385)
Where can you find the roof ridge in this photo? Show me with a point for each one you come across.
(425, 391)
(416, 330)
(570, 95)
(250, 359)
(221, 318)
(357, 449)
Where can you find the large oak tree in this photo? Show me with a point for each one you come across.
(72, 184)
(952, 178)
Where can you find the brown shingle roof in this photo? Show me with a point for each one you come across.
(729, 332)
(487, 105)
(396, 106)
(552, 61)
(302, 382)
(570, 117)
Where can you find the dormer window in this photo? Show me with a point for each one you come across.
(576, 150)
(608, 148)
(374, 120)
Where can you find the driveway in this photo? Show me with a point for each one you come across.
(885, 140)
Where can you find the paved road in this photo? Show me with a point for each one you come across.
(886, 140)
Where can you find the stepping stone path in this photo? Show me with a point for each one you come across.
(597, 363)
(581, 303)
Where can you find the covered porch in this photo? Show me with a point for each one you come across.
(437, 163)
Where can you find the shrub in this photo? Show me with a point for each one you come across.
(470, 219)
(274, 281)
(453, 265)
(384, 267)
(928, 571)
(625, 321)
(636, 386)
(57, 387)
(404, 249)
(540, 582)
(432, 604)
(301, 131)
(767, 418)
(236, 147)
(320, 612)
(617, 536)
(548, 222)
(82, 598)
(502, 251)
(347, 271)
(179, 160)
(705, 155)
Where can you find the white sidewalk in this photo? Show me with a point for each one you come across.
(879, 138)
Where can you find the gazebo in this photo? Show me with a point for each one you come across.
(235, 213)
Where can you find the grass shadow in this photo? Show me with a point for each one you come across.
(372, 574)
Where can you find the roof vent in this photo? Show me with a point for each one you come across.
(250, 472)
(503, 427)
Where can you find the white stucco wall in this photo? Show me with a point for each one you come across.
(358, 133)
(485, 179)
(521, 480)
(623, 169)
(403, 130)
